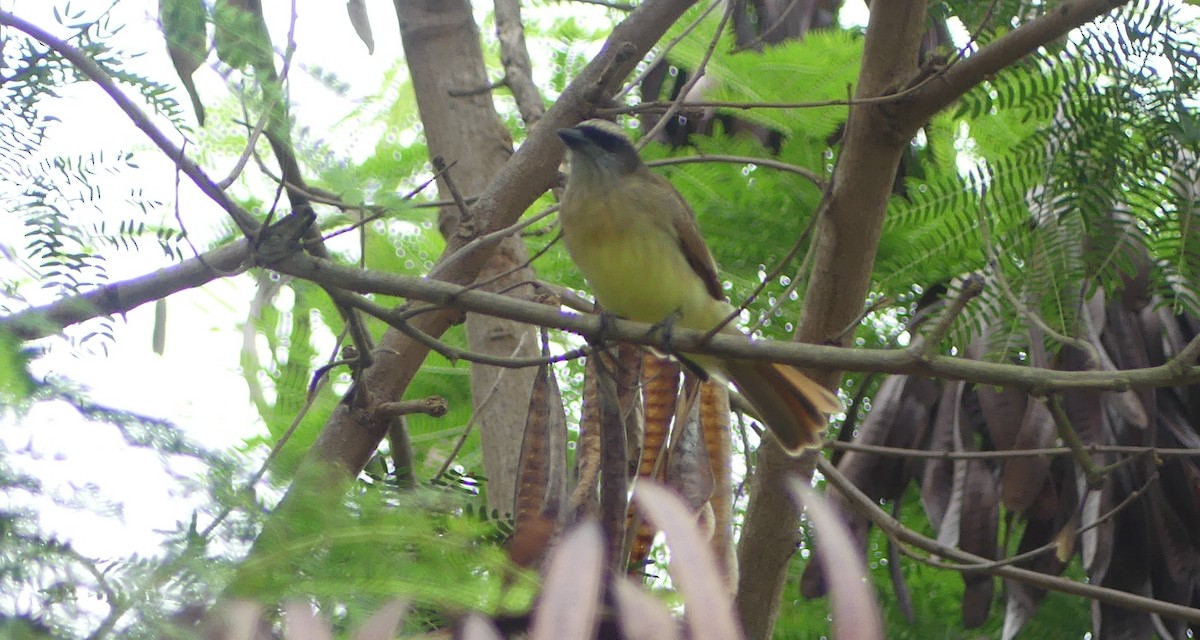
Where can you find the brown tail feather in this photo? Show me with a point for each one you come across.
(792, 406)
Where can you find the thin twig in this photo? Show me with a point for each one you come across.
(807, 174)
(475, 413)
(892, 527)
(697, 73)
(488, 239)
(662, 52)
(251, 142)
(769, 278)
(378, 212)
(871, 307)
(925, 345)
(183, 227)
(1095, 477)
(978, 567)
(899, 452)
(619, 6)
(524, 264)
(464, 210)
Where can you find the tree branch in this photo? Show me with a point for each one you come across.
(514, 55)
(95, 73)
(121, 297)
(124, 296)
(907, 361)
(966, 73)
(895, 529)
(849, 222)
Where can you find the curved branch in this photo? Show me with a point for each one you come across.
(95, 73)
(968, 72)
(804, 172)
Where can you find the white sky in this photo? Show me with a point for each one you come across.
(197, 382)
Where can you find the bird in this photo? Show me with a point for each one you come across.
(636, 242)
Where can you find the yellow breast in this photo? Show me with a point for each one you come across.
(633, 262)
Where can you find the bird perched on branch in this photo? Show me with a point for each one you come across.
(636, 242)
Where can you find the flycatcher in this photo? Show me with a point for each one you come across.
(636, 242)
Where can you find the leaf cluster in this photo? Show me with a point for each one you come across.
(63, 202)
(1062, 174)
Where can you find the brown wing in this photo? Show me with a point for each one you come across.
(694, 249)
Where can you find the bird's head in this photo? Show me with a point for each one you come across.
(599, 148)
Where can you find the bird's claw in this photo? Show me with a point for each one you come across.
(602, 334)
(666, 328)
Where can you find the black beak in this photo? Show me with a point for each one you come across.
(573, 138)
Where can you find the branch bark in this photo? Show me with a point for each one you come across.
(127, 295)
(444, 55)
(849, 223)
(931, 97)
(910, 360)
(514, 55)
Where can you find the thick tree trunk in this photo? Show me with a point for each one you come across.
(847, 235)
(442, 46)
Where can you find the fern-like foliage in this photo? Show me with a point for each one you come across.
(57, 198)
(819, 67)
(1076, 167)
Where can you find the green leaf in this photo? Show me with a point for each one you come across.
(821, 67)
(16, 385)
(185, 26)
(241, 36)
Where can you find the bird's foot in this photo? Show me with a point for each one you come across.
(666, 328)
(602, 334)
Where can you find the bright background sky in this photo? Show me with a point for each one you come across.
(197, 382)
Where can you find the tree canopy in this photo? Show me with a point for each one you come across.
(975, 221)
